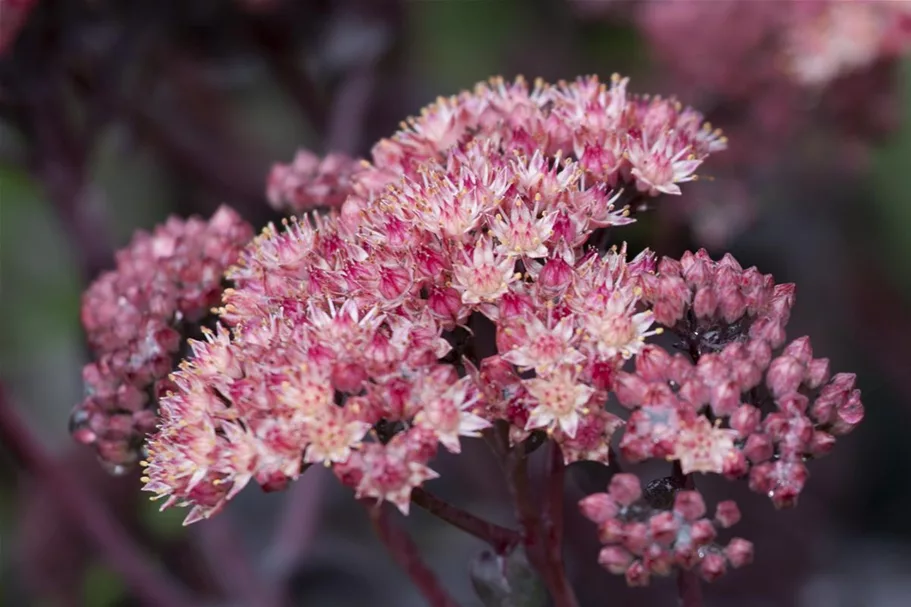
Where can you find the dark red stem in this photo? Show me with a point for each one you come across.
(540, 537)
(85, 510)
(406, 554)
(689, 588)
(553, 526)
(501, 539)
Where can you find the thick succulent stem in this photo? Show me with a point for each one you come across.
(542, 539)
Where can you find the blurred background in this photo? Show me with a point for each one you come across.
(115, 114)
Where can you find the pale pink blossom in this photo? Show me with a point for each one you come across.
(560, 400)
(702, 447)
(485, 275)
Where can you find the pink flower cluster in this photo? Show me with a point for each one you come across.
(340, 324)
(730, 405)
(642, 539)
(463, 284)
(133, 317)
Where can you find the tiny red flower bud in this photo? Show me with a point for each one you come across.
(615, 559)
(817, 373)
(635, 537)
(739, 552)
(758, 448)
(555, 275)
(745, 420)
(625, 489)
(689, 505)
(658, 560)
(713, 566)
(785, 375)
(652, 364)
(702, 532)
(637, 575)
(821, 443)
(611, 531)
(598, 507)
(705, 303)
(727, 514)
(664, 527)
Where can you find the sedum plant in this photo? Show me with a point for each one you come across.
(469, 282)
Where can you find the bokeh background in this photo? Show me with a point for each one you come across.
(116, 113)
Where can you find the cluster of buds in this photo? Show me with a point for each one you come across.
(644, 536)
(462, 284)
(134, 318)
(729, 405)
(310, 182)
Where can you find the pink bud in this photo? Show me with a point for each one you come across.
(631, 389)
(555, 275)
(615, 559)
(731, 304)
(727, 514)
(689, 505)
(817, 373)
(637, 575)
(713, 566)
(789, 480)
(652, 363)
(598, 507)
(670, 300)
(822, 443)
(635, 537)
(702, 532)
(516, 306)
(770, 330)
(758, 448)
(705, 303)
(625, 489)
(610, 531)
(695, 392)
(760, 353)
(445, 304)
(735, 465)
(784, 375)
(725, 398)
(698, 270)
(686, 554)
(851, 412)
(664, 527)
(801, 349)
(739, 552)
(348, 377)
(745, 420)
(602, 374)
(658, 560)
(669, 267)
